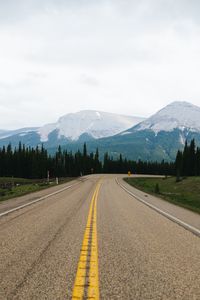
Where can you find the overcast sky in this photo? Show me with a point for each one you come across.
(123, 56)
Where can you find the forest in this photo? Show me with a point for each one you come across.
(34, 163)
(188, 161)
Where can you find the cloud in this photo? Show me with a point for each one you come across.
(89, 80)
(122, 56)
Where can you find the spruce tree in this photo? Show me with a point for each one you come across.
(179, 164)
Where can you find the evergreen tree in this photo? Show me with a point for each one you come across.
(178, 164)
(192, 158)
(197, 163)
(186, 159)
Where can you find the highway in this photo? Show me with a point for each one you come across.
(94, 240)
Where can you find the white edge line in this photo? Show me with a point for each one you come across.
(37, 200)
(170, 217)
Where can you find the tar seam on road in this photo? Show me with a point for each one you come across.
(167, 215)
(37, 200)
(86, 285)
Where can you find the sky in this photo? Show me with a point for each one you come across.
(122, 56)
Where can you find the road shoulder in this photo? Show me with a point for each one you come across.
(181, 213)
(23, 200)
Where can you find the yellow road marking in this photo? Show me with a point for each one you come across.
(87, 281)
(93, 291)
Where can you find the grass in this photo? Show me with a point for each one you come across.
(185, 193)
(5, 180)
(15, 187)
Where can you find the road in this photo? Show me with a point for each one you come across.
(96, 241)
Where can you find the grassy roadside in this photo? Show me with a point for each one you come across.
(185, 193)
(16, 187)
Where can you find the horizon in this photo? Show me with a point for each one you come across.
(92, 110)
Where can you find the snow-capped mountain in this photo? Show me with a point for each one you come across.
(3, 132)
(158, 137)
(81, 126)
(177, 115)
(93, 123)
(21, 132)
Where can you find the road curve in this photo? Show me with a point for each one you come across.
(49, 246)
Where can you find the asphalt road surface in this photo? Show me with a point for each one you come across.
(93, 240)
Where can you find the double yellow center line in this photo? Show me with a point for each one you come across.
(86, 284)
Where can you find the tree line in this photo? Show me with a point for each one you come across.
(137, 167)
(27, 162)
(187, 162)
(36, 163)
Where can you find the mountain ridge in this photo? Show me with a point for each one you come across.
(97, 124)
(178, 114)
(70, 128)
(156, 138)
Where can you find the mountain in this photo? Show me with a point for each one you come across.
(71, 128)
(158, 137)
(21, 132)
(93, 123)
(177, 115)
